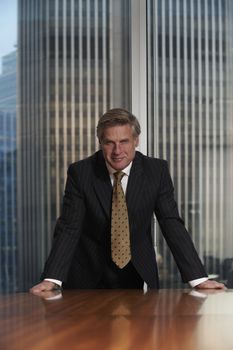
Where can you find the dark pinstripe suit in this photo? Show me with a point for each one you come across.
(81, 246)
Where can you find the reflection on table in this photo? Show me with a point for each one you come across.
(117, 319)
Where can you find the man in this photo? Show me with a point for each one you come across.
(82, 253)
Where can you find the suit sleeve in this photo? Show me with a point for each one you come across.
(174, 231)
(67, 230)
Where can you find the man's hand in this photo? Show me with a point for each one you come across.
(209, 284)
(44, 286)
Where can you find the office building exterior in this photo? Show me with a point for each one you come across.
(190, 118)
(8, 238)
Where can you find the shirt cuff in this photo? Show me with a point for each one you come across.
(197, 281)
(59, 283)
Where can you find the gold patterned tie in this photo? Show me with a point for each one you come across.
(120, 240)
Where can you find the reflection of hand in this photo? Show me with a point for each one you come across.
(43, 287)
(199, 294)
(210, 285)
(204, 293)
(51, 294)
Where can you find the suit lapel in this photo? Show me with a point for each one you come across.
(135, 185)
(102, 184)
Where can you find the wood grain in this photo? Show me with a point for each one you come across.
(118, 319)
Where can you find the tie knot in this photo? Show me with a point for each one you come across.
(118, 175)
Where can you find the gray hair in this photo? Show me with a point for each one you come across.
(117, 116)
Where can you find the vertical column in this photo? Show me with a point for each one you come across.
(72, 80)
(57, 109)
(47, 125)
(206, 92)
(221, 126)
(171, 90)
(193, 189)
(104, 54)
(214, 145)
(200, 124)
(178, 106)
(185, 115)
(63, 153)
(139, 63)
(96, 65)
(80, 78)
(88, 79)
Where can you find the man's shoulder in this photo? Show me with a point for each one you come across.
(151, 161)
(85, 163)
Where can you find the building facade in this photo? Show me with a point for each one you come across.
(190, 119)
(8, 238)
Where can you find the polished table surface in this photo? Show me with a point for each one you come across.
(118, 319)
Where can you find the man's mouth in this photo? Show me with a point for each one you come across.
(117, 159)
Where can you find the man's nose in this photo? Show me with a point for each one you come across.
(117, 148)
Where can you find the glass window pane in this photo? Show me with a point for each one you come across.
(8, 58)
(190, 122)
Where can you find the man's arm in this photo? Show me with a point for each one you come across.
(66, 236)
(177, 237)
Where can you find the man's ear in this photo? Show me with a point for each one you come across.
(136, 141)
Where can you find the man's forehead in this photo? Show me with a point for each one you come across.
(118, 130)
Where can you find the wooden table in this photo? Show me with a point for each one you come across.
(118, 319)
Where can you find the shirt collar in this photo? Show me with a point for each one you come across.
(126, 170)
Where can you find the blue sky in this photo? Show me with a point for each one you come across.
(8, 25)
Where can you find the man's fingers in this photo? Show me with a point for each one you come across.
(211, 285)
(43, 286)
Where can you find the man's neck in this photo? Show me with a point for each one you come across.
(126, 170)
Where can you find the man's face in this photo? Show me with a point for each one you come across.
(118, 145)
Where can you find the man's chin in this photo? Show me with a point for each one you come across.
(118, 165)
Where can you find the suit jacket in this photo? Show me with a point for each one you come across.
(81, 245)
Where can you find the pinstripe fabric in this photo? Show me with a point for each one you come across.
(82, 242)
